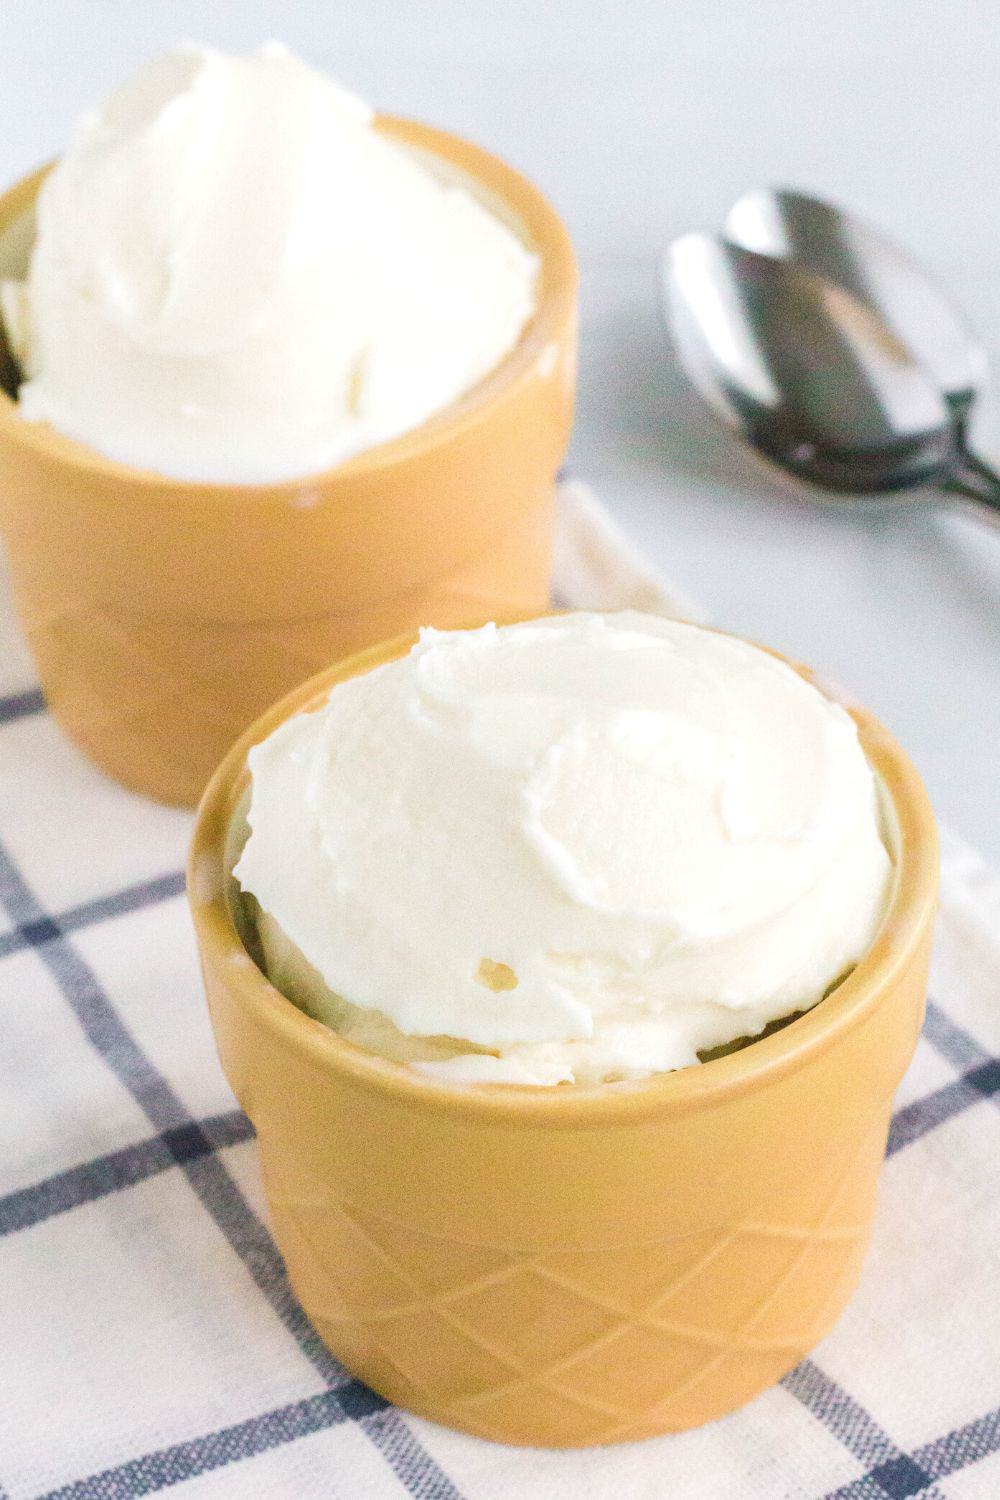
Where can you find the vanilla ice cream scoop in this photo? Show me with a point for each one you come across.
(237, 278)
(579, 849)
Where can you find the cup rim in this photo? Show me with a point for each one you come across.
(759, 1063)
(557, 283)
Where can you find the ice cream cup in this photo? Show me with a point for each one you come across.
(572, 1265)
(164, 616)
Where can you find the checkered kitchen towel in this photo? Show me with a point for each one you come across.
(148, 1337)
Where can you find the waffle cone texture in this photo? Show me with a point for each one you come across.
(570, 1266)
(166, 616)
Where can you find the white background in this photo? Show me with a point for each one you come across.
(642, 119)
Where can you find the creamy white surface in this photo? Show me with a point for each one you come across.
(237, 278)
(668, 836)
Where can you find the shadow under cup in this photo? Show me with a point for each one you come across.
(165, 616)
(570, 1266)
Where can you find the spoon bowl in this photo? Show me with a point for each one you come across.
(845, 249)
(813, 377)
(803, 371)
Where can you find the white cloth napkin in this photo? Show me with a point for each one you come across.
(148, 1338)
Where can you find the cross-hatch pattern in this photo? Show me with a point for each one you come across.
(467, 1331)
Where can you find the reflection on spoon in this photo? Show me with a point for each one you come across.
(839, 246)
(813, 378)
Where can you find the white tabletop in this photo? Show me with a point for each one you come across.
(643, 119)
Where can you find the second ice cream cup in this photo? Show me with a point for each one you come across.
(572, 1265)
(164, 616)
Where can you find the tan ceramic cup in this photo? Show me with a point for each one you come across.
(573, 1265)
(166, 616)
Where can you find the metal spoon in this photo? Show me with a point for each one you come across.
(840, 246)
(812, 377)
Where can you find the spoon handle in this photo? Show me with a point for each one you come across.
(974, 480)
